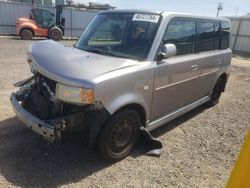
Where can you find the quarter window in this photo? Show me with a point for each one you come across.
(225, 33)
(182, 34)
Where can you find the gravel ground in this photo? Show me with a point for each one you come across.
(200, 148)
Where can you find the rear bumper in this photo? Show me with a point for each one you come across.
(41, 127)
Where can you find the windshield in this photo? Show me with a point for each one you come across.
(126, 35)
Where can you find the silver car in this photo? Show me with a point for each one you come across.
(129, 69)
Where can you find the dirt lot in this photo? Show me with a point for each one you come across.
(200, 148)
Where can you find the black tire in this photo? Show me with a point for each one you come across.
(55, 33)
(26, 34)
(216, 93)
(119, 135)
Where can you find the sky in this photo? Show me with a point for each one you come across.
(202, 7)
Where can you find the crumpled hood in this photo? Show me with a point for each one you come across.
(73, 66)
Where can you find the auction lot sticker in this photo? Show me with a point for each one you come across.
(146, 17)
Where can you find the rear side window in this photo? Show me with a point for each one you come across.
(225, 34)
(209, 35)
(182, 34)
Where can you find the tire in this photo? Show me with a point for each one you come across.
(55, 33)
(216, 93)
(119, 135)
(26, 34)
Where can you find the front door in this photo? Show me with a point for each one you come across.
(176, 78)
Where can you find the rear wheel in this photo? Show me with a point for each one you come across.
(119, 135)
(55, 33)
(216, 93)
(26, 34)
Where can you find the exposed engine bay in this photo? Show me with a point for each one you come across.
(37, 96)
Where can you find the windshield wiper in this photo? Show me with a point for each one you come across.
(99, 51)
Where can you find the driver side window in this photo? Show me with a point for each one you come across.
(182, 34)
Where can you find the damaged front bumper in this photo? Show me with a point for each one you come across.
(47, 130)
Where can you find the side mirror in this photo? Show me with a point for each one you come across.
(168, 50)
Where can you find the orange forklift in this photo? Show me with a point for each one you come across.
(41, 23)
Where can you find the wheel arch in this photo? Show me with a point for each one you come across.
(136, 107)
(28, 28)
(96, 128)
(224, 78)
(28, 25)
(54, 25)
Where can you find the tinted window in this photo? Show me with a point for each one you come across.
(217, 35)
(208, 36)
(225, 33)
(182, 34)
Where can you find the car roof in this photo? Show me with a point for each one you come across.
(131, 11)
(163, 13)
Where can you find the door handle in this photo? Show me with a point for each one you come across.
(194, 67)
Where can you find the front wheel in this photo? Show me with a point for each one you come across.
(119, 135)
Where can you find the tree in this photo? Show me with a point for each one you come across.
(69, 2)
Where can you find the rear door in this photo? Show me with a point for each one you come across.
(211, 57)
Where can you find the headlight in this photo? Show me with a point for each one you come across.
(74, 94)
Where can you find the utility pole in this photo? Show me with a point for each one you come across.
(236, 11)
(219, 8)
